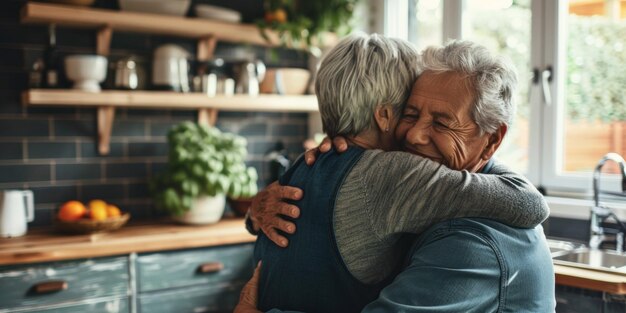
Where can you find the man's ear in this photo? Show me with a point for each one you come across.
(495, 140)
(383, 115)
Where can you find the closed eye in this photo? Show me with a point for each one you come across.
(440, 125)
(410, 117)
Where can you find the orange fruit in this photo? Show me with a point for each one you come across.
(97, 210)
(98, 213)
(269, 17)
(280, 16)
(97, 204)
(72, 211)
(113, 211)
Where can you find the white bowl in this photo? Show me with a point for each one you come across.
(168, 7)
(217, 13)
(86, 71)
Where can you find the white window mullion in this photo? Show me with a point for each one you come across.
(535, 96)
(397, 19)
(452, 19)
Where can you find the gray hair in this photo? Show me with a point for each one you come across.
(493, 79)
(358, 75)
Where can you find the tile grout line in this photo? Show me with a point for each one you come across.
(146, 128)
(25, 149)
(53, 171)
(51, 128)
(79, 154)
(103, 171)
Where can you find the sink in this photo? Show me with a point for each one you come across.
(578, 255)
(595, 259)
(561, 247)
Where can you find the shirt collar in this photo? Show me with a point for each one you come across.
(487, 167)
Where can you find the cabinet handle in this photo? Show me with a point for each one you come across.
(211, 267)
(50, 286)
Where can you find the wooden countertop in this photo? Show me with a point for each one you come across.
(44, 245)
(590, 279)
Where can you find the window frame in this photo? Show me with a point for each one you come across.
(548, 49)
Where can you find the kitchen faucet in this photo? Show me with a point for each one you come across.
(599, 213)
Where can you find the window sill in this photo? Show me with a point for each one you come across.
(579, 208)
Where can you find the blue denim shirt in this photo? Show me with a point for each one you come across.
(473, 265)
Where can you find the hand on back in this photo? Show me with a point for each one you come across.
(268, 208)
(340, 144)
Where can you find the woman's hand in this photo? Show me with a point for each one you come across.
(249, 294)
(340, 144)
(268, 205)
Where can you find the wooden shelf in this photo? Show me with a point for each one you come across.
(168, 100)
(149, 23)
(206, 32)
(106, 102)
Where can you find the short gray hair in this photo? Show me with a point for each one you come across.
(359, 74)
(493, 79)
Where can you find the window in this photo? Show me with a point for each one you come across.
(587, 115)
(504, 28)
(571, 60)
(425, 23)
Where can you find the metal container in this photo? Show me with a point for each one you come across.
(126, 74)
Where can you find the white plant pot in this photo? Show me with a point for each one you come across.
(204, 210)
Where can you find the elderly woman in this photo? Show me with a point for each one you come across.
(357, 205)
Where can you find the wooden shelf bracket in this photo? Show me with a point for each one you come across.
(205, 50)
(207, 116)
(103, 40)
(105, 127)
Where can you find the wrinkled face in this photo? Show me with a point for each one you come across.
(437, 122)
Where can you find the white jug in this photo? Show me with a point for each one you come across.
(17, 207)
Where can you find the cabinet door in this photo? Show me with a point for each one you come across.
(211, 299)
(207, 266)
(59, 282)
(119, 305)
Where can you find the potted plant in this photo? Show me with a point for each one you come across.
(204, 166)
(300, 22)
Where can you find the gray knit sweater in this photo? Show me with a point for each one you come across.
(387, 194)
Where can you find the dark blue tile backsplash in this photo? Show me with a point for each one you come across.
(53, 151)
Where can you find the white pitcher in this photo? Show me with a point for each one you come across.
(17, 207)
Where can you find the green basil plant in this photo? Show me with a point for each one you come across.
(203, 161)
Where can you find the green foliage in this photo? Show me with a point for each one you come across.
(203, 161)
(596, 67)
(304, 20)
(596, 60)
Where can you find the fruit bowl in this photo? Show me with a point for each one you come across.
(98, 216)
(88, 226)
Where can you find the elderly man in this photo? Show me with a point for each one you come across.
(457, 115)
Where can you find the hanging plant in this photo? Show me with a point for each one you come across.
(302, 23)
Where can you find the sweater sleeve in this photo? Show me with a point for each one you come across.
(408, 193)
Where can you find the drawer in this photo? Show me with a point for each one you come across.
(172, 269)
(191, 299)
(24, 285)
(119, 305)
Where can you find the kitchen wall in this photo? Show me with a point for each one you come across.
(53, 151)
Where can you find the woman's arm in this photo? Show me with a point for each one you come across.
(408, 193)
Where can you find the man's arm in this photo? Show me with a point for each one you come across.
(408, 193)
(456, 272)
